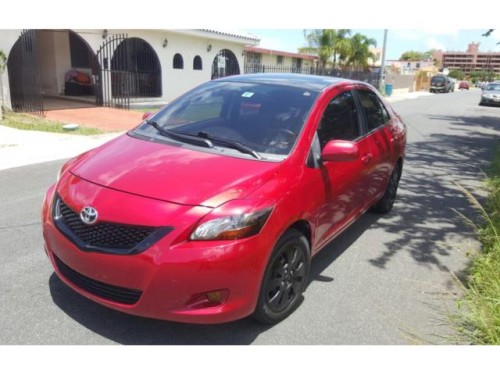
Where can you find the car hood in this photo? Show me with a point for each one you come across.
(171, 173)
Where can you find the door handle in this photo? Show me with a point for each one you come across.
(367, 158)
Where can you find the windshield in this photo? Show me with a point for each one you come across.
(493, 87)
(265, 118)
(438, 79)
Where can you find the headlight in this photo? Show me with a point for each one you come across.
(63, 169)
(59, 173)
(232, 227)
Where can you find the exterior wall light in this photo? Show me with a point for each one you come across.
(165, 43)
(104, 34)
(209, 47)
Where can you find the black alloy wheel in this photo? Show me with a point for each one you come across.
(384, 205)
(285, 278)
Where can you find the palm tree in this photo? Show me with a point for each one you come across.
(340, 43)
(356, 56)
(318, 43)
(325, 43)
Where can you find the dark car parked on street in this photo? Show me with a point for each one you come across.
(441, 83)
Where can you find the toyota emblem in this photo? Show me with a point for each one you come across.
(88, 215)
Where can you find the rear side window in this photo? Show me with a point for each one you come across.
(375, 112)
(340, 120)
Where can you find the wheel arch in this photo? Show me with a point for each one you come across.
(304, 227)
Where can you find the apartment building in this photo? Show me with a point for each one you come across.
(470, 60)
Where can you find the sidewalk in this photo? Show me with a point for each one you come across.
(23, 147)
(395, 97)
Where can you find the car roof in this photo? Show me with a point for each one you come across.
(304, 81)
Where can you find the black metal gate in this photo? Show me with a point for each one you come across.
(24, 76)
(113, 83)
(225, 64)
(140, 61)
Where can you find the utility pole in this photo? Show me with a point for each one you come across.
(381, 80)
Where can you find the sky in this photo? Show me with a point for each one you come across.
(398, 40)
(419, 26)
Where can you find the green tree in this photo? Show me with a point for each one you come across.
(325, 43)
(411, 55)
(341, 44)
(457, 74)
(3, 61)
(318, 43)
(416, 55)
(482, 76)
(357, 54)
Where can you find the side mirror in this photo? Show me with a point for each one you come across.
(146, 115)
(338, 150)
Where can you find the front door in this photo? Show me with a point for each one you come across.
(343, 185)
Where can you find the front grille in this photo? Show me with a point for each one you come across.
(104, 236)
(106, 291)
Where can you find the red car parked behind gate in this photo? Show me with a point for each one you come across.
(212, 208)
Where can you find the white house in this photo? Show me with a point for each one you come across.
(410, 67)
(112, 66)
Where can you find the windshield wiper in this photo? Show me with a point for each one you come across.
(232, 144)
(193, 139)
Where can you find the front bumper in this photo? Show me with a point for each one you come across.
(439, 88)
(168, 280)
(490, 101)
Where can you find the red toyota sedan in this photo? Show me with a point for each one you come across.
(212, 208)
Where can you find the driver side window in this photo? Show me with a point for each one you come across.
(340, 120)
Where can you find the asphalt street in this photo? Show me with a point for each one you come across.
(386, 280)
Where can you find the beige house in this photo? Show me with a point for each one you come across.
(259, 58)
(411, 67)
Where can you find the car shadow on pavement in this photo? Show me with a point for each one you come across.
(335, 248)
(134, 330)
(433, 223)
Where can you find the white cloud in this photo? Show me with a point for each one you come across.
(432, 43)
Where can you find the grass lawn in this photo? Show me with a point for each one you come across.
(479, 318)
(25, 121)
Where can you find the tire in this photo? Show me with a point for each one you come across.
(285, 278)
(384, 205)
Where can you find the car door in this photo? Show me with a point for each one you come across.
(342, 186)
(380, 139)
